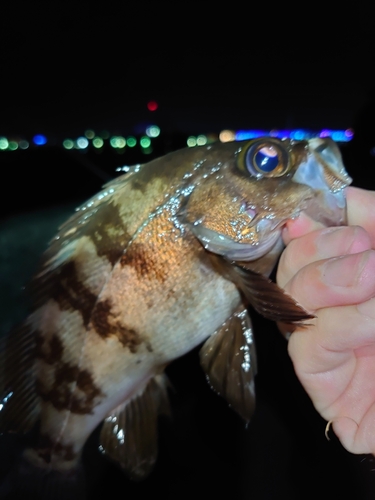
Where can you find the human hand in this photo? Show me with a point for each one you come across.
(331, 273)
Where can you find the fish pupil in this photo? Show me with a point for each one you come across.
(266, 159)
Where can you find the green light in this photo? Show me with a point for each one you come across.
(13, 145)
(131, 141)
(201, 140)
(145, 142)
(23, 144)
(98, 142)
(3, 143)
(191, 141)
(153, 131)
(90, 134)
(117, 142)
(68, 144)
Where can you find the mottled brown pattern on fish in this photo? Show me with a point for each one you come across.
(50, 351)
(62, 394)
(99, 318)
(108, 233)
(70, 293)
(105, 324)
(145, 261)
(46, 447)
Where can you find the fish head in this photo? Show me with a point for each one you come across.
(240, 211)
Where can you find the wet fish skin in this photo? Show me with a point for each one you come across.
(165, 257)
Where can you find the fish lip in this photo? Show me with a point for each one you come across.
(324, 173)
(327, 207)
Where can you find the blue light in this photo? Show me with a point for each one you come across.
(243, 135)
(283, 134)
(298, 135)
(337, 135)
(39, 139)
(340, 136)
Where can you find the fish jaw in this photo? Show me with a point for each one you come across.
(325, 173)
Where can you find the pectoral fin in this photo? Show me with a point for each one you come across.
(129, 433)
(263, 294)
(229, 359)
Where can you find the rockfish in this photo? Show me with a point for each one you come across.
(167, 256)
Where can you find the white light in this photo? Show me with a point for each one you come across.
(201, 140)
(153, 131)
(82, 143)
(191, 141)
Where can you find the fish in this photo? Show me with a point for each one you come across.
(170, 255)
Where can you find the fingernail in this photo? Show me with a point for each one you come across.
(344, 270)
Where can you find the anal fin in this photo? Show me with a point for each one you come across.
(228, 358)
(129, 433)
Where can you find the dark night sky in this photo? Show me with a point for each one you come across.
(75, 66)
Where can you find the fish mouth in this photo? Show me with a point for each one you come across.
(328, 208)
(324, 172)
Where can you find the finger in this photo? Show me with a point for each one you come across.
(327, 356)
(336, 327)
(318, 245)
(333, 282)
(361, 210)
(333, 332)
(333, 358)
(356, 437)
(295, 228)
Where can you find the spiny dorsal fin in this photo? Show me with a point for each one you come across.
(229, 359)
(129, 433)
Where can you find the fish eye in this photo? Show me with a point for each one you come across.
(267, 159)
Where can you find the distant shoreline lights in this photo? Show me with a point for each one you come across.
(118, 142)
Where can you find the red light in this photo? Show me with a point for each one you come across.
(152, 105)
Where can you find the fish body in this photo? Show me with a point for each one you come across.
(167, 256)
